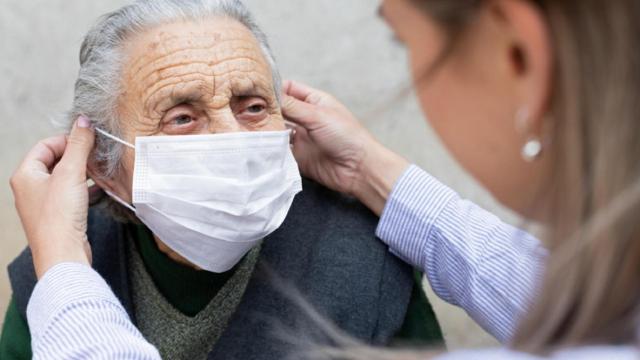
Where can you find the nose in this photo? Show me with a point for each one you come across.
(225, 122)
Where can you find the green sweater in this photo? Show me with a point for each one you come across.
(190, 290)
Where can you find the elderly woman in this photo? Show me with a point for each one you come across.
(179, 238)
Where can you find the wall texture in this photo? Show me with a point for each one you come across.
(339, 46)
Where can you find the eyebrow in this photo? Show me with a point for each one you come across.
(190, 96)
(243, 90)
(158, 102)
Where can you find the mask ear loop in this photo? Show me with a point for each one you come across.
(120, 201)
(114, 196)
(116, 139)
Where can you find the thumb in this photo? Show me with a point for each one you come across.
(300, 112)
(79, 145)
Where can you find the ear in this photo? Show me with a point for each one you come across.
(530, 57)
(106, 184)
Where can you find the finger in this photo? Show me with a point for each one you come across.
(299, 112)
(302, 148)
(290, 125)
(45, 154)
(79, 145)
(302, 92)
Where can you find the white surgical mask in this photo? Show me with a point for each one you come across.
(211, 198)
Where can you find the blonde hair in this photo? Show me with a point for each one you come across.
(591, 290)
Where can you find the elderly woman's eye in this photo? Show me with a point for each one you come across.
(256, 109)
(182, 120)
(250, 109)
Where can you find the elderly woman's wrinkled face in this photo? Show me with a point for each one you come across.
(191, 78)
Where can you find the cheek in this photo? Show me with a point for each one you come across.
(475, 122)
(459, 99)
(447, 106)
(276, 123)
(125, 176)
(469, 121)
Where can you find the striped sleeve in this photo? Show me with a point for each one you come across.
(471, 258)
(73, 314)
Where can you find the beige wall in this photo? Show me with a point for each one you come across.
(336, 45)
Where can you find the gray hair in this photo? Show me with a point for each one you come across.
(97, 88)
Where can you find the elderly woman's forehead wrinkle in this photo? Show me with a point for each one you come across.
(174, 76)
(165, 43)
(247, 84)
(224, 82)
(188, 52)
(204, 63)
(188, 89)
(149, 61)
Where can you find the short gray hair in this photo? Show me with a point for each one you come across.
(97, 88)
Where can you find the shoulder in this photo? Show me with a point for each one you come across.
(328, 249)
(318, 206)
(320, 218)
(329, 227)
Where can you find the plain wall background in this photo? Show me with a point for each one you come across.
(336, 45)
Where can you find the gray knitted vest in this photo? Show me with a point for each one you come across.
(326, 249)
(178, 336)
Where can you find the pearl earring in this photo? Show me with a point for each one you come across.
(533, 147)
(531, 150)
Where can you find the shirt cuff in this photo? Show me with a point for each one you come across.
(414, 204)
(61, 287)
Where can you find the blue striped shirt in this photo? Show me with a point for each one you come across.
(73, 314)
(471, 258)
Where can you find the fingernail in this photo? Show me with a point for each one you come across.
(83, 122)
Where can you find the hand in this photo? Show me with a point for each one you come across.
(333, 148)
(52, 198)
